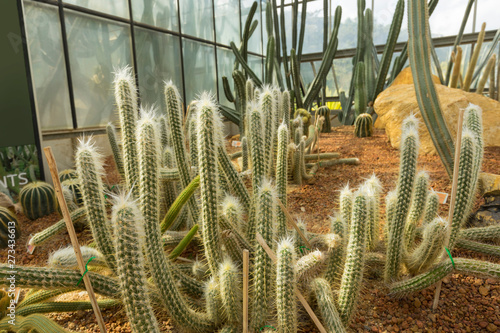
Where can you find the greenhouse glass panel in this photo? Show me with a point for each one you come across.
(158, 60)
(199, 69)
(227, 21)
(225, 65)
(159, 13)
(48, 68)
(383, 14)
(447, 18)
(115, 7)
(197, 18)
(255, 64)
(254, 44)
(97, 48)
(486, 14)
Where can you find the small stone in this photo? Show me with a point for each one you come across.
(420, 324)
(432, 317)
(417, 303)
(483, 324)
(492, 327)
(302, 209)
(484, 290)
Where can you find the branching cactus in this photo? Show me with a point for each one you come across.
(126, 101)
(407, 169)
(353, 268)
(89, 166)
(286, 303)
(129, 240)
(209, 127)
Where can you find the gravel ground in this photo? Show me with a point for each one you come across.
(467, 304)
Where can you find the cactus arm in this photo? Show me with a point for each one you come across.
(286, 303)
(227, 89)
(241, 101)
(480, 233)
(178, 204)
(235, 182)
(428, 101)
(230, 292)
(34, 322)
(40, 296)
(392, 38)
(303, 17)
(49, 307)
(360, 102)
(488, 55)
(418, 201)
(230, 114)
(269, 61)
(437, 64)
(458, 40)
(474, 58)
(244, 64)
(183, 244)
(295, 14)
(326, 305)
(487, 249)
(113, 142)
(326, 64)
(283, 45)
(282, 177)
(295, 70)
(490, 67)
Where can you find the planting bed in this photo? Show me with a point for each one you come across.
(467, 304)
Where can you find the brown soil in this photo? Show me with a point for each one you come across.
(467, 304)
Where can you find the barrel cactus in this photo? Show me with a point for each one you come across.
(363, 126)
(324, 111)
(8, 225)
(37, 199)
(67, 174)
(74, 187)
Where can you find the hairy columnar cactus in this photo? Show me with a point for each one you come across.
(161, 270)
(209, 128)
(267, 102)
(350, 284)
(126, 101)
(265, 208)
(244, 150)
(466, 179)
(174, 115)
(420, 192)
(281, 177)
(346, 198)
(374, 211)
(232, 210)
(127, 223)
(67, 174)
(473, 120)
(90, 169)
(66, 258)
(164, 132)
(396, 225)
(213, 301)
(230, 292)
(285, 105)
(335, 255)
(193, 144)
(115, 148)
(286, 303)
(431, 208)
(326, 305)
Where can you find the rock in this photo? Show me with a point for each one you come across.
(489, 184)
(491, 328)
(483, 324)
(405, 77)
(484, 290)
(395, 103)
(417, 303)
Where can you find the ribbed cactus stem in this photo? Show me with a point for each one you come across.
(66, 258)
(334, 257)
(90, 169)
(232, 210)
(231, 246)
(457, 66)
(234, 180)
(390, 210)
(115, 148)
(193, 144)
(431, 208)
(267, 102)
(466, 178)
(419, 198)
(407, 169)
(282, 177)
(257, 146)
(326, 305)
(213, 301)
(309, 265)
(244, 157)
(126, 101)
(473, 120)
(346, 198)
(168, 188)
(285, 105)
(209, 128)
(159, 265)
(286, 303)
(374, 211)
(230, 292)
(350, 284)
(474, 58)
(174, 115)
(262, 265)
(430, 249)
(249, 90)
(128, 223)
(164, 132)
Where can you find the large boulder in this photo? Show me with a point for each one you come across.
(398, 101)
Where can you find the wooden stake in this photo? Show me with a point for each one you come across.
(72, 235)
(246, 259)
(292, 222)
(458, 143)
(299, 295)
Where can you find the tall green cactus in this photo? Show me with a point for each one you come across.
(127, 225)
(427, 98)
(282, 177)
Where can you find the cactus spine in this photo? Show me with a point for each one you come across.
(286, 303)
(126, 101)
(408, 165)
(89, 167)
(127, 223)
(282, 177)
(208, 128)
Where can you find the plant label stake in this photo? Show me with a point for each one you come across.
(72, 235)
(458, 143)
(299, 295)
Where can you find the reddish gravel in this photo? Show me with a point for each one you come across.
(467, 304)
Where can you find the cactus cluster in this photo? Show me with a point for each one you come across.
(135, 242)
